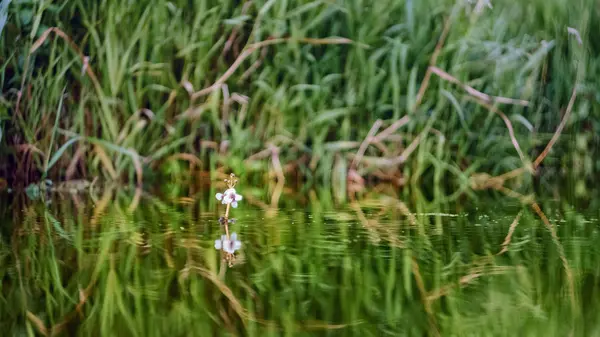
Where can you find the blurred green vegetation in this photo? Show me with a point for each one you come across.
(112, 91)
(100, 266)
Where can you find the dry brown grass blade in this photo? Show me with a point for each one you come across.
(106, 162)
(476, 93)
(507, 122)
(29, 148)
(76, 160)
(511, 174)
(37, 322)
(381, 147)
(259, 155)
(391, 129)
(275, 196)
(365, 143)
(524, 199)
(84, 295)
(273, 152)
(277, 164)
(402, 207)
(227, 324)
(208, 144)
(101, 206)
(226, 291)
(368, 225)
(311, 325)
(235, 31)
(555, 239)
(559, 129)
(387, 162)
(426, 301)
(244, 314)
(432, 62)
(135, 202)
(493, 181)
(404, 210)
(408, 151)
(256, 46)
(254, 66)
(473, 274)
(186, 200)
(377, 230)
(137, 163)
(395, 178)
(257, 202)
(188, 157)
(84, 61)
(561, 253)
(511, 230)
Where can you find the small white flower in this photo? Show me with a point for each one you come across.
(219, 243)
(228, 245)
(230, 196)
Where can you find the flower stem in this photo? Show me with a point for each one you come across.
(227, 221)
(227, 212)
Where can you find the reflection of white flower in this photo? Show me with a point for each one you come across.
(230, 196)
(228, 245)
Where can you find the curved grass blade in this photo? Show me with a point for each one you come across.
(60, 104)
(56, 156)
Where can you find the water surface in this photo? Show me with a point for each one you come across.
(120, 264)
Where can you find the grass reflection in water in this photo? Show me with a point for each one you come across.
(376, 267)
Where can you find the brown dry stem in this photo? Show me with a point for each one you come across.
(425, 298)
(472, 275)
(517, 172)
(256, 46)
(432, 62)
(508, 237)
(476, 93)
(365, 143)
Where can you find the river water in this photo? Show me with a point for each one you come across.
(119, 263)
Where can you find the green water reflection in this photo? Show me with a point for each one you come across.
(137, 265)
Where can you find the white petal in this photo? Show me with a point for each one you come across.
(234, 204)
(219, 196)
(218, 244)
(233, 236)
(237, 245)
(223, 237)
(238, 197)
(228, 247)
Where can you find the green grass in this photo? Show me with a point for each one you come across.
(322, 270)
(127, 68)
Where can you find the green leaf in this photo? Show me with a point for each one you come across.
(266, 7)
(57, 226)
(329, 115)
(237, 21)
(457, 106)
(60, 151)
(25, 15)
(58, 113)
